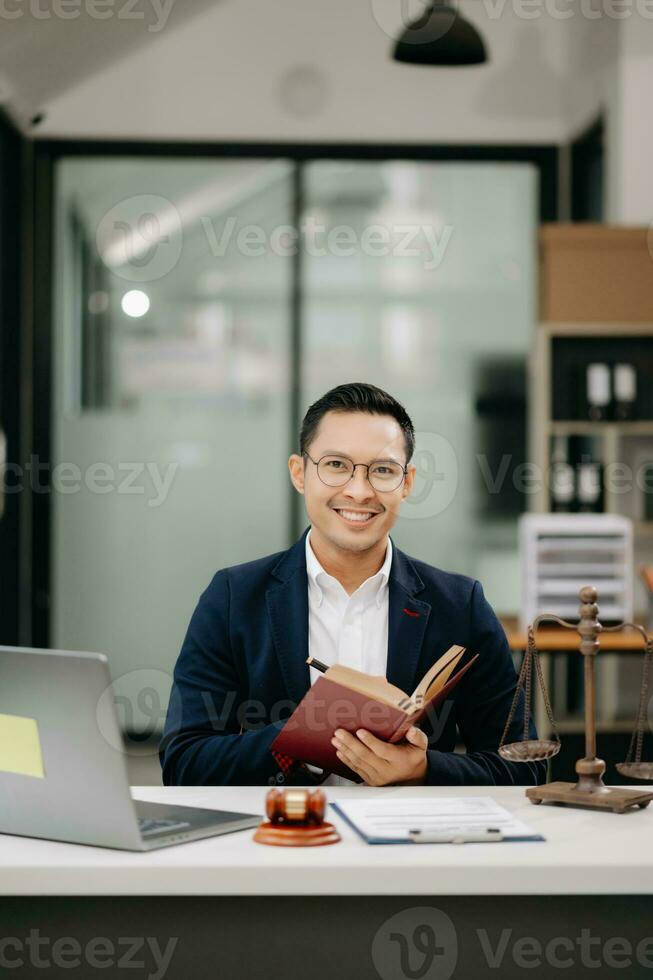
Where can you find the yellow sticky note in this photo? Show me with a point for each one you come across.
(20, 746)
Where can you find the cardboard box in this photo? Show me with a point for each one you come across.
(596, 273)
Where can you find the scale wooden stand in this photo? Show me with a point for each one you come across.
(589, 790)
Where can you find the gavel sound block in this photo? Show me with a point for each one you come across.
(296, 819)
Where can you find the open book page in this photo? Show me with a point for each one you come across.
(374, 686)
(437, 676)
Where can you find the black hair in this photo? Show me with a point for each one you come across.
(357, 396)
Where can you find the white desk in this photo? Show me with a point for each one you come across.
(586, 853)
(239, 909)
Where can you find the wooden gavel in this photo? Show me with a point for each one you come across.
(295, 806)
(296, 819)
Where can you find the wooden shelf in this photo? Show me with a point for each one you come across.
(555, 639)
(572, 309)
(576, 726)
(581, 428)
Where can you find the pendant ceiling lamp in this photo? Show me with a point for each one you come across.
(440, 36)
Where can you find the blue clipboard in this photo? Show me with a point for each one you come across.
(393, 840)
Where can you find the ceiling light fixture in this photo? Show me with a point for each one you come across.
(441, 36)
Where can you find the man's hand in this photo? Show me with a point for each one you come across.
(379, 763)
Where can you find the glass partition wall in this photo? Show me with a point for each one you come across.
(171, 416)
(183, 323)
(420, 277)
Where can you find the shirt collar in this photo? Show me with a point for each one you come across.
(315, 572)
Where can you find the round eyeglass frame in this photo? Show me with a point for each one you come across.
(316, 463)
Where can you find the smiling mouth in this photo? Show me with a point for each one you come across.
(356, 518)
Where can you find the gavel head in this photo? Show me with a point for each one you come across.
(295, 806)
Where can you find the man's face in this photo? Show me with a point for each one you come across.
(363, 438)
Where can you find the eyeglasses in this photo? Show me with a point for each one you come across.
(383, 475)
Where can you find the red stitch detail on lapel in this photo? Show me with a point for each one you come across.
(409, 612)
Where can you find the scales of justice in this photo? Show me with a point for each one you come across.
(589, 790)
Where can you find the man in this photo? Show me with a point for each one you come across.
(343, 593)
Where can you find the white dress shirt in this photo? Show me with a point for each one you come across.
(347, 629)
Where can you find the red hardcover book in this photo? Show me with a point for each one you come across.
(349, 699)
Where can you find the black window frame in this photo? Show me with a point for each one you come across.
(12, 569)
(545, 158)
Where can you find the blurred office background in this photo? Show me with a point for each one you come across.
(210, 217)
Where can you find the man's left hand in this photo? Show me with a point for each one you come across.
(380, 763)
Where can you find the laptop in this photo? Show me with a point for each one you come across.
(63, 773)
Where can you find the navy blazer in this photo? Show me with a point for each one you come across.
(242, 669)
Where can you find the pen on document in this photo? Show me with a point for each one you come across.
(455, 836)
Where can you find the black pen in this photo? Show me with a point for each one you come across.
(312, 662)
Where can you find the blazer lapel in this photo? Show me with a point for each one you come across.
(287, 602)
(407, 620)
